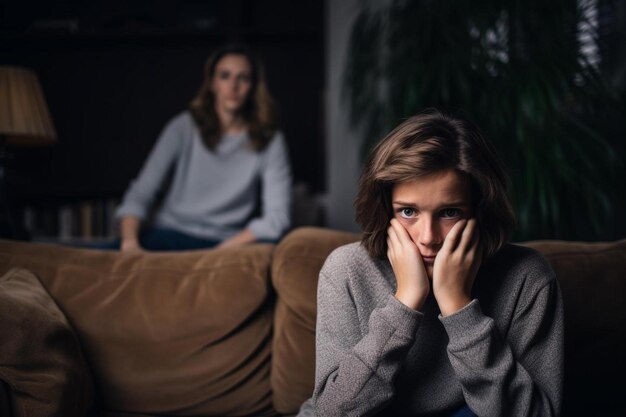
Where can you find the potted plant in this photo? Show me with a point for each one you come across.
(521, 71)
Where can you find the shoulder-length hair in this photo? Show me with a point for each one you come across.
(259, 111)
(423, 145)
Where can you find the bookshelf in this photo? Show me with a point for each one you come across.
(81, 221)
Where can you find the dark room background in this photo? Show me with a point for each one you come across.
(114, 72)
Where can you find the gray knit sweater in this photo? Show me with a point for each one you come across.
(213, 195)
(502, 354)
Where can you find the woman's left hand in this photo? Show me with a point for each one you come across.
(455, 267)
(241, 238)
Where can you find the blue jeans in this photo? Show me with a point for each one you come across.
(156, 239)
(464, 411)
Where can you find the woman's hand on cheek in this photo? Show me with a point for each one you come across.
(455, 267)
(408, 267)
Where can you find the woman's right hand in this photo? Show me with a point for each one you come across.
(411, 277)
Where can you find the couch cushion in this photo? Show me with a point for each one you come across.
(184, 333)
(297, 262)
(40, 356)
(592, 277)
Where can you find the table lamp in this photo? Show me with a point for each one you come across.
(24, 121)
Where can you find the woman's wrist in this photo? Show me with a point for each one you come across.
(128, 244)
(412, 299)
(452, 304)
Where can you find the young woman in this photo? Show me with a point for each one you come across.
(218, 152)
(433, 313)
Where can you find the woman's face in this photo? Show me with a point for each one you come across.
(428, 208)
(231, 83)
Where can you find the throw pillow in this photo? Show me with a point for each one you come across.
(40, 356)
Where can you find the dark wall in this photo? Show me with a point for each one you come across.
(114, 74)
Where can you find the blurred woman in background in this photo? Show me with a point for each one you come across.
(221, 153)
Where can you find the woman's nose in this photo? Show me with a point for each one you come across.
(427, 232)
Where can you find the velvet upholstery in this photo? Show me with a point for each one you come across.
(165, 333)
(295, 269)
(232, 331)
(592, 277)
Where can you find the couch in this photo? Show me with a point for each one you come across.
(231, 332)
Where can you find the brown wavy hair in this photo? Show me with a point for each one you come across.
(259, 111)
(423, 145)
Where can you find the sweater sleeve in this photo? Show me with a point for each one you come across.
(517, 374)
(143, 190)
(276, 192)
(355, 371)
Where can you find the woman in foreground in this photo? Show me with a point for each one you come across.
(433, 313)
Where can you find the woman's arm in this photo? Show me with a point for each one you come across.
(517, 374)
(355, 371)
(142, 191)
(275, 193)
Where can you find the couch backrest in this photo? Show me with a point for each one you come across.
(169, 333)
(592, 277)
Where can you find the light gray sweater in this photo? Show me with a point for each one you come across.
(502, 354)
(213, 195)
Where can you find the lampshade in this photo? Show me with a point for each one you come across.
(24, 115)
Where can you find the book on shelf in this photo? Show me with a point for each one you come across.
(88, 220)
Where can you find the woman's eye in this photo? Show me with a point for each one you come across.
(224, 75)
(244, 78)
(450, 213)
(407, 213)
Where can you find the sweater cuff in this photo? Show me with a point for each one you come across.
(404, 319)
(130, 210)
(263, 229)
(466, 324)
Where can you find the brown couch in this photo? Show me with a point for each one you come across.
(231, 332)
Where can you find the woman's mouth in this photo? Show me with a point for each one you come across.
(428, 259)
